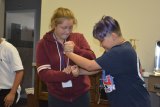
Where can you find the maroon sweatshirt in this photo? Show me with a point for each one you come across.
(50, 62)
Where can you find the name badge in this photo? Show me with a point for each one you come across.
(67, 84)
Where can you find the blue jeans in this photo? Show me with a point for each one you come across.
(82, 101)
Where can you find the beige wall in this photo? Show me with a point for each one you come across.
(1, 17)
(139, 19)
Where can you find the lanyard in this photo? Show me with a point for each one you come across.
(61, 55)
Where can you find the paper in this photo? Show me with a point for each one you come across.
(67, 84)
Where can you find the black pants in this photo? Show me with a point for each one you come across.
(82, 101)
(3, 94)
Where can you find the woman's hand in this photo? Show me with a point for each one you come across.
(67, 70)
(69, 46)
(75, 70)
(72, 69)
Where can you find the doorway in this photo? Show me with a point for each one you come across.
(20, 31)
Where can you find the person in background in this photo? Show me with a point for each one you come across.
(66, 86)
(11, 74)
(119, 64)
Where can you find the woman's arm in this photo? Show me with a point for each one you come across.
(85, 72)
(83, 62)
(82, 47)
(90, 65)
(76, 71)
(44, 69)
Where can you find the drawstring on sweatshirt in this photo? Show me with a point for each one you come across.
(60, 54)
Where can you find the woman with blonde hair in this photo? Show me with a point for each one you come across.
(66, 87)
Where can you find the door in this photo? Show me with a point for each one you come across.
(20, 31)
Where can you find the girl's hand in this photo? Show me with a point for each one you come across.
(69, 46)
(75, 70)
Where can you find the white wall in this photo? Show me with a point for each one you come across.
(1, 18)
(139, 19)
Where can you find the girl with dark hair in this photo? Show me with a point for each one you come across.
(119, 64)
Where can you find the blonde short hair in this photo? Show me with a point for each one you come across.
(59, 15)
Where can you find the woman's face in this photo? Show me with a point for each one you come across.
(63, 30)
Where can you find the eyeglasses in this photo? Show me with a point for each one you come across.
(70, 28)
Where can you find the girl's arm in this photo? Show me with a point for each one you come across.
(85, 72)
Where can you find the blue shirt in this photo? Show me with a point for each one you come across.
(121, 81)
